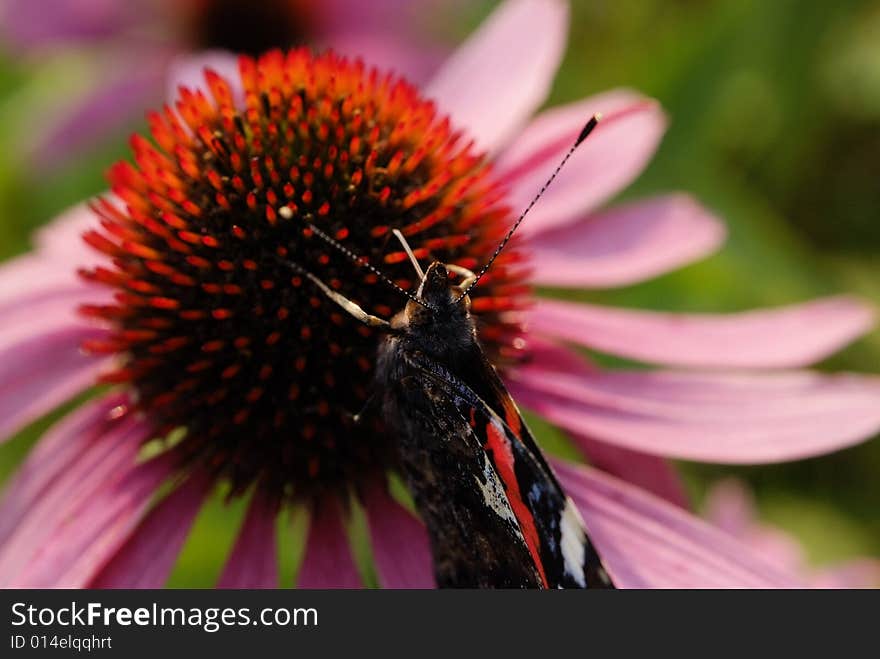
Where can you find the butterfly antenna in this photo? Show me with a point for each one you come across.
(585, 132)
(358, 260)
(409, 253)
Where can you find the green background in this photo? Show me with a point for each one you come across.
(775, 124)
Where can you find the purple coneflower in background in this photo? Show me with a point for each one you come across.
(731, 507)
(131, 44)
(227, 369)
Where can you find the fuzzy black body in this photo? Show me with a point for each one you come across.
(496, 515)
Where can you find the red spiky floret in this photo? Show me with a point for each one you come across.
(214, 333)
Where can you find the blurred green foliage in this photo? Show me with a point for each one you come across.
(775, 111)
(775, 124)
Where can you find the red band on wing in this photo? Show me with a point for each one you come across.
(511, 415)
(498, 443)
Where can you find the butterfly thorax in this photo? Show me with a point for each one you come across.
(442, 329)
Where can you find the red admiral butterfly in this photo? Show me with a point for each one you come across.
(495, 513)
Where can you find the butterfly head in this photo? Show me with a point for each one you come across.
(434, 287)
(438, 295)
(441, 322)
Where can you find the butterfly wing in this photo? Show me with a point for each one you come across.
(551, 524)
(517, 516)
(476, 540)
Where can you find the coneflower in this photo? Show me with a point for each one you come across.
(731, 506)
(130, 45)
(226, 367)
(214, 333)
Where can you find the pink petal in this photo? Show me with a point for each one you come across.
(652, 474)
(401, 548)
(50, 272)
(90, 517)
(30, 25)
(40, 327)
(32, 274)
(108, 453)
(625, 245)
(777, 547)
(43, 313)
(856, 573)
(189, 71)
(63, 236)
(415, 60)
(731, 507)
(127, 86)
(392, 35)
(37, 279)
(494, 82)
(646, 542)
(39, 374)
(778, 338)
(726, 418)
(149, 554)
(609, 160)
(328, 562)
(253, 562)
(56, 454)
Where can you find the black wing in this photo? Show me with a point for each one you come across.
(495, 512)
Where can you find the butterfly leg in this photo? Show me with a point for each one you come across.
(467, 276)
(347, 305)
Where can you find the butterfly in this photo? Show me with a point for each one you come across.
(496, 515)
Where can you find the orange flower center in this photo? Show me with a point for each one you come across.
(215, 333)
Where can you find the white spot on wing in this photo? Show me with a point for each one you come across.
(494, 495)
(574, 539)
